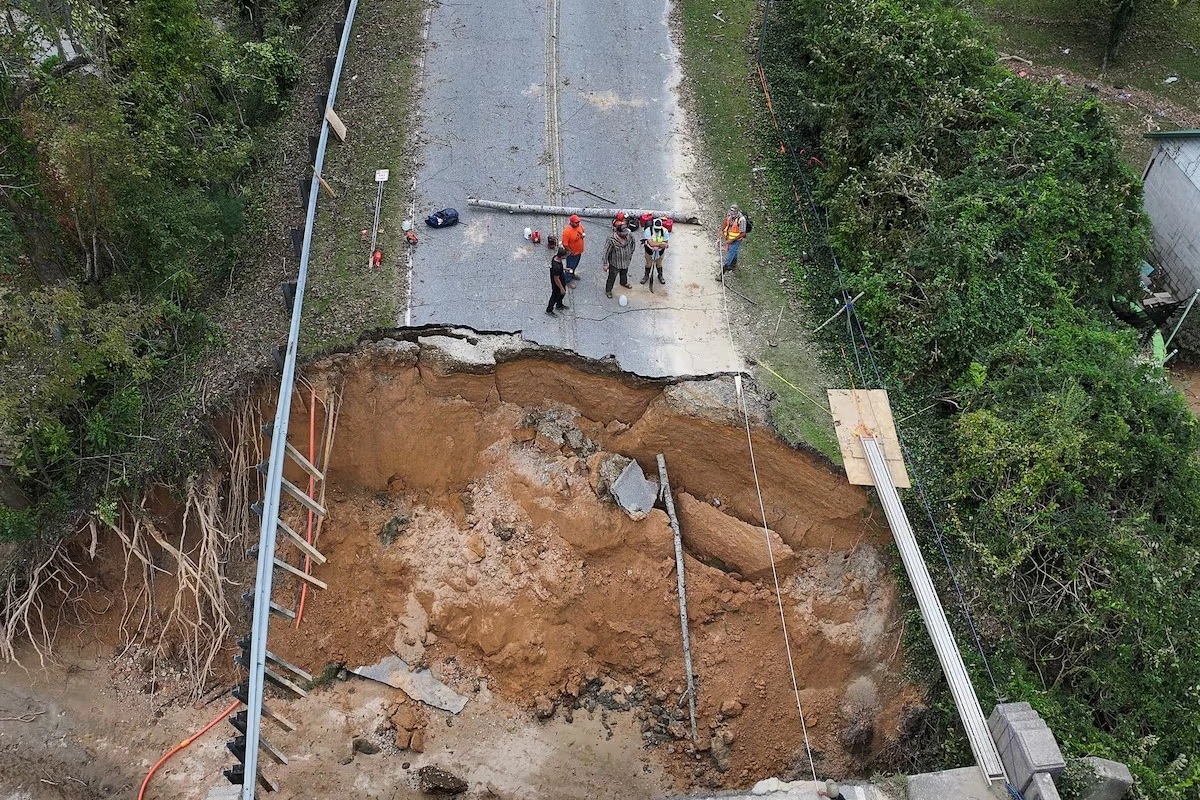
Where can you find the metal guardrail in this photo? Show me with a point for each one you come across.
(275, 464)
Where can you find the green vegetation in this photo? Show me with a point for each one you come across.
(121, 202)
(988, 220)
(736, 131)
(345, 296)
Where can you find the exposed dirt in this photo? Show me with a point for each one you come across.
(470, 530)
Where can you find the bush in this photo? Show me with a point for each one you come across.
(988, 221)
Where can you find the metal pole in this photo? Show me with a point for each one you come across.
(1179, 324)
(267, 526)
(684, 217)
(683, 616)
(853, 300)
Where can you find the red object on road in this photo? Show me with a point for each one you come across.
(376, 258)
(536, 237)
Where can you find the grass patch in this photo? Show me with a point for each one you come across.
(1162, 42)
(345, 296)
(734, 128)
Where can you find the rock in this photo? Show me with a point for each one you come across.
(504, 531)
(634, 492)
(403, 739)
(476, 548)
(712, 534)
(703, 744)
(544, 708)
(417, 742)
(394, 528)
(731, 709)
(365, 746)
(435, 780)
(603, 471)
(677, 731)
(858, 737)
(405, 718)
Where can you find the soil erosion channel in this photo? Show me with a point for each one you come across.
(471, 530)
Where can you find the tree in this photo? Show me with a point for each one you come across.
(1121, 14)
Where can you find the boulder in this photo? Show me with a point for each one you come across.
(711, 534)
(435, 780)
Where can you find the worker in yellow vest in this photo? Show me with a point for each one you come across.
(733, 233)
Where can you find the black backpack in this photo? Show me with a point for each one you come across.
(749, 224)
(443, 219)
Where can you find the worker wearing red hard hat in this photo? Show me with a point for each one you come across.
(572, 239)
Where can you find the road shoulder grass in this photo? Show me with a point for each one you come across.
(731, 122)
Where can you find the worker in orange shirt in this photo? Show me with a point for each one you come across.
(572, 239)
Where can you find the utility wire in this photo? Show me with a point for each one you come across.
(787, 643)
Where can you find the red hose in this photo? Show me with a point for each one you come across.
(185, 743)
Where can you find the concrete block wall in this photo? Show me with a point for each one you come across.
(1026, 744)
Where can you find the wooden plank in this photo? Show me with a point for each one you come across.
(303, 462)
(283, 683)
(286, 613)
(278, 719)
(335, 123)
(289, 666)
(302, 497)
(301, 574)
(300, 542)
(866, 412)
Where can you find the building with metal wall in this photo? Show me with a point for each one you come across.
(1172, 192)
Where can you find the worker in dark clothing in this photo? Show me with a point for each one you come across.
(558, 288)
(618, 252)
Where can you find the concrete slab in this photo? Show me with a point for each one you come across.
(967, 783)
(418, 684)
(1008, 711)
(1112, 782)
(634, 492)
(1031, 752)
(1042, 788)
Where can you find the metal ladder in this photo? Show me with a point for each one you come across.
(969, 710)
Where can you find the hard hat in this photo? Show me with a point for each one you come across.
(574, 218)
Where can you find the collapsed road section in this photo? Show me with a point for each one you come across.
(473, 531)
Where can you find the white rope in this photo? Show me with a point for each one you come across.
(737, 379)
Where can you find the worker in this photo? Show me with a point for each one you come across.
(618, 252)
(558, 288)
(733, 233)
(655, 241)
(572, 239)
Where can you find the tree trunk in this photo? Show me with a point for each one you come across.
(11, 494)
(1118, 26)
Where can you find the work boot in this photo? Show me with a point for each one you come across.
(550, 313)
(660, 278)
(646, 277)
(561, 307)
(627, 285)
(608, 294)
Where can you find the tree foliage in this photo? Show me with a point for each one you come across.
(121, 171)
(988, 220)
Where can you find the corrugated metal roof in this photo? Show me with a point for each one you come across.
(1188, 133)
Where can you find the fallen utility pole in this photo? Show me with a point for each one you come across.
(665, 489)
(684, 217)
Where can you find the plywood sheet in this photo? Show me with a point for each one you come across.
(866, 412)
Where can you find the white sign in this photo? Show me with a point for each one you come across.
(381, 175)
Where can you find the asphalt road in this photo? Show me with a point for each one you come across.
(520, 99)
